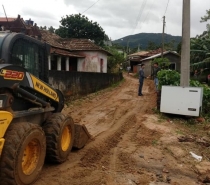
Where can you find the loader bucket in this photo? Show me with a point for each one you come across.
(81, 136)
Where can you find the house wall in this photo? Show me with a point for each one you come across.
(148, 68)
(172, 58)
(94, 61)
(76, 84)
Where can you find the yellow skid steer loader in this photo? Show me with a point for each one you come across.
(32, 127)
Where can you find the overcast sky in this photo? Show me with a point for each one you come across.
(118, 18)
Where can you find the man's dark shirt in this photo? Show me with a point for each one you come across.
(141, 75)
(155, 71)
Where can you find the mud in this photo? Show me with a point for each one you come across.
(131, 145)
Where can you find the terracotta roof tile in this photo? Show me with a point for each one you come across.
(4, 19)
(154, 52)
(64, 53)
(70, 44)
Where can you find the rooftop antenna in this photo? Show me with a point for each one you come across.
(6, 16)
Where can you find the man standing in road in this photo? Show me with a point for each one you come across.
(156, 69)
(128, 69)
(141, 79)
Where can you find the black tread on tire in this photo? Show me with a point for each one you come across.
(17, 138)
(53, 128)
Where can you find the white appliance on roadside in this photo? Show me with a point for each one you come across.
(181, 100)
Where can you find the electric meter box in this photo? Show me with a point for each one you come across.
(181, 100)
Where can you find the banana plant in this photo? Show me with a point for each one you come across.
(200, 51)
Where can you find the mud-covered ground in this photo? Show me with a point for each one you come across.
(131, 144)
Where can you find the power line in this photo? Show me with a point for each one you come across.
(166, 8)
(137, 19)
(148, 11)
(90, 6)
(140, 14)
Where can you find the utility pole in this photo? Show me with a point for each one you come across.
(128, 46)
(185, 55)
(163, 34)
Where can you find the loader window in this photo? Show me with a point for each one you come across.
(26, 54)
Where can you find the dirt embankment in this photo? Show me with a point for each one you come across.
(130, 146)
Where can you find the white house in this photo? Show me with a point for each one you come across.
(75, 54)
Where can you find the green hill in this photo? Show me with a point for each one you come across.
(143, 39)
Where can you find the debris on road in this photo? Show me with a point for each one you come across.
(186, 138)
(197, 157)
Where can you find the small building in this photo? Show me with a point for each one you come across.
(135, 59)
(60, 59)
(75, 54)
(172, 56)
(95, 57)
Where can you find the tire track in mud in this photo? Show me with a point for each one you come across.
(104, 145)
(98, 162)
(104, 148)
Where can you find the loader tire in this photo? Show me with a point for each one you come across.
(59, 131)
(23, 154)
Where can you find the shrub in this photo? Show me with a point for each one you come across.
(206, 95)
(168, 77)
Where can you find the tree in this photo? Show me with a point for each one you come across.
(170, 45)
(179, 48)
(115, 61)
(200, 47)
(79, 26)
(205, 18)
(152, 46)
(51, 29)
(200, 51)
(162, 62)
(43, 27)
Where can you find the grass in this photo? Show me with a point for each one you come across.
(118, 83)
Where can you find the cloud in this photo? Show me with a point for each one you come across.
(117, 18)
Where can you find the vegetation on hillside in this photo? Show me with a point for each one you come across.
(149, 41)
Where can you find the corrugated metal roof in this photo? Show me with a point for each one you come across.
(159, 54)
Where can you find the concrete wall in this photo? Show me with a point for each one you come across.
(175, 59)
(172, 58)
(76, 84)
(94, 61)
(148, 68)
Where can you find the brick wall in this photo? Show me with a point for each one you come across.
(76, 84)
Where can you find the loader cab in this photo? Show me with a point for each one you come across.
(27, 52)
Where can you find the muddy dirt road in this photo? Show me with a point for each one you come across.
(130, 145)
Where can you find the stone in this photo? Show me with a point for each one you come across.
(165, 170)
